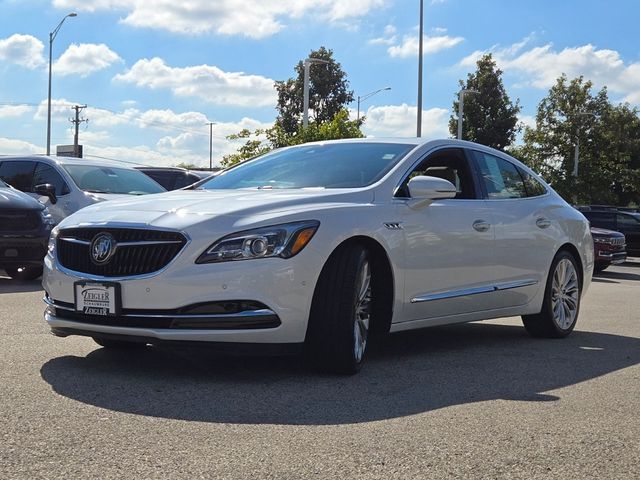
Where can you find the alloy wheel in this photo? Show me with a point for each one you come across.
(565, 294)
(362, 311)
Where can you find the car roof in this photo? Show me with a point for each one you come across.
(101, 162)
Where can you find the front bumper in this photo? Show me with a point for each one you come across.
(156, 307)
(610, 258)
(19, 251)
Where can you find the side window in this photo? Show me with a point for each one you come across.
(628, 222)
(533, 187)
(601, 220)
(164, 178)
(500, 177)
(449, 164)
(47, 174)
(18, 174)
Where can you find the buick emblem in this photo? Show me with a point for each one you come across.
(103, 246)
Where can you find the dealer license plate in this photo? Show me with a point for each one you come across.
(97, 298)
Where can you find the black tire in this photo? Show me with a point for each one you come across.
(118, 344)
(24, 273)
(331, 337)
(550, 324)
(600, 267)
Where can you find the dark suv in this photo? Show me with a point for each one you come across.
(25, 225)
(624, 220)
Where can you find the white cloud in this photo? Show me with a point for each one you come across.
(207, 82)
(388, 37)
(539, 67)
(24, 50)
(11, 146)
(7, 111)
(409, 46)
(400, 121)
(60, 109)
(85, 59)
(229, 17)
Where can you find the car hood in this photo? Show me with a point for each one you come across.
(181, 208)
(603, 232)
(10, 198)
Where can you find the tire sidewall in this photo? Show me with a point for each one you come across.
(547, 304)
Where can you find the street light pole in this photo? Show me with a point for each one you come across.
(461, 94)
(305, 108)
(419, 119)
(368, 95)
(52, 37)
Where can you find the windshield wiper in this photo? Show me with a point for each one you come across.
(98, 191)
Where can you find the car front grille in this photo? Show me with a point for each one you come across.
(18, 220)
(618, 241)
(138, 251)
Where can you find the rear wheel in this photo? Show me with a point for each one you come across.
(561, 303)
(118, 344)
(24, 273)
(340, 317)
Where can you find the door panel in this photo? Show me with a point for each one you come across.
(449, 265)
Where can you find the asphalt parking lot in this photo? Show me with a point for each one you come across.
(472, 401)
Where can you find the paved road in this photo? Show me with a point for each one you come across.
(472, 401)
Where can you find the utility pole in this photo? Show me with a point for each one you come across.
(211, 124)
(419, 119)
(77, 121)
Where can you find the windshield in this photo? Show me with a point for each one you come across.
(333, 165)
(3, 185)
(97, 179)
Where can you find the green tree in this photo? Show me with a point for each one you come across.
(328, 92)
(609, 144)
(489, 116)
(262, 141)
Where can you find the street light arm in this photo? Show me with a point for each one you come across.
(52, 35)
(371, 94)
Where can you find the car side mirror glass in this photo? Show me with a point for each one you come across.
(47, 190)
(430, 188)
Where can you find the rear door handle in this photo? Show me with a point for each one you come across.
(481, 226)
(543, 222)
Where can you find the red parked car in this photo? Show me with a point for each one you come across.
(609, 248)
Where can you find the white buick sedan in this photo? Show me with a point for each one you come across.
(314, 248)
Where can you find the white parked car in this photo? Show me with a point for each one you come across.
(65, 185)
(317, 246)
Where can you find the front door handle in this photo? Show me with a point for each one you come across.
(543, 222)
(481, 225)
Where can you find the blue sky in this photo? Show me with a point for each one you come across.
(154, 73)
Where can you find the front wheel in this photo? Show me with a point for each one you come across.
(561, 303)
(341, 312)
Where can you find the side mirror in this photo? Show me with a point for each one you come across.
(431, 188)
(47, 190)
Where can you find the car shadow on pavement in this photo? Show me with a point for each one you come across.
(9, 285)
(617, 275)
(410, 373)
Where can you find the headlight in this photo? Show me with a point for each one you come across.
(45, 214)
(607, 241)
(284, 241)
(51, 247)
